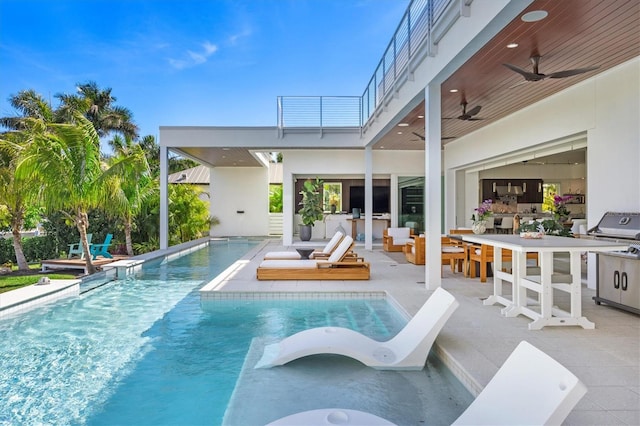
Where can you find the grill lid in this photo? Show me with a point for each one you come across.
(618, 225)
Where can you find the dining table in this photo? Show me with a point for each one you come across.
(544, 280)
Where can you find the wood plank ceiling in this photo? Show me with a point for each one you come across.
(575, 34)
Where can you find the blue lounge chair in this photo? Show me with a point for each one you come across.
(101, 249)
(76, 248)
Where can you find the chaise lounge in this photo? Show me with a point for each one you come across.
(317, 254)
(530, 388)
(339, 266)
(408, 350)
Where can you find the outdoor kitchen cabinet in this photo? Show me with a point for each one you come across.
(617, 282)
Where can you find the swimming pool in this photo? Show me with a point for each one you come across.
(146, 351)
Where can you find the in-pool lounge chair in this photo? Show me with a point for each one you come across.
(530, 388)
(408, 350)
(338, 266)
(317, 254)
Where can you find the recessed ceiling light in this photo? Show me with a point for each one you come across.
(403, 125)
(382, 147)
(399, 133)
(421, 116)
(534, 16)
(453, 90)
(512, 45)
(225, 149)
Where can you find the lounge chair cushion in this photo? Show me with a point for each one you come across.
(452, 249)
(294, 255)
(399, 233)
(289, 264)
(341, 250)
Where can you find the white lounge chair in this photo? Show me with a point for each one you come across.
(332, 416)
(408, 350)
(530, 388)
(294, 255)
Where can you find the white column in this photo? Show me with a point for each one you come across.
(432, 188)
(164, 197)
(368, 198)
(288, 208)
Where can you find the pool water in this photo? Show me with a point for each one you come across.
(146, 350)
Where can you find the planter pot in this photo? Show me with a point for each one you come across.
(534, 235)
(479, 227)
(305, 232)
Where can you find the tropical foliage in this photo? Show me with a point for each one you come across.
(53, 172)
(312, 209)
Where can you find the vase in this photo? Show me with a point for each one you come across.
(479, 227)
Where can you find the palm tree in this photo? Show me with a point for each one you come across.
(129, 184)
(29, 104)
(98, 107)
(14, 191)
(65, 158)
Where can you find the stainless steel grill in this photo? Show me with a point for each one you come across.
(619, 271)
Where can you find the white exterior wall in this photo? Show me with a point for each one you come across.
(236, 189)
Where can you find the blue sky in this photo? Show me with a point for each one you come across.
(194, 62)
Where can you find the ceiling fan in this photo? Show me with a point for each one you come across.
(537, 76)
(467, 115)
(444, 138)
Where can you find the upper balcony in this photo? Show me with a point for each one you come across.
(423, 24)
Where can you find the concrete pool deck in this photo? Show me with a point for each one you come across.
(478, 339)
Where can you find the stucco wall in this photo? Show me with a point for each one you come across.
(236, 189)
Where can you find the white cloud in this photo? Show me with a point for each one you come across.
(195, 58)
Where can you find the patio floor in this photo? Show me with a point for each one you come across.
(477, 339)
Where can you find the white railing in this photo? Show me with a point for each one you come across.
(415, 29)
(319, 111)
(412, 33)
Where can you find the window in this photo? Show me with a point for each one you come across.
(332, 196)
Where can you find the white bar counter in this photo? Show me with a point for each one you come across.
(546, 282)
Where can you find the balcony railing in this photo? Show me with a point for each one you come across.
(319, 111)
(415, 29)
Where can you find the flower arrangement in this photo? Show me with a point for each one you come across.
(559, 209)
(482, 212)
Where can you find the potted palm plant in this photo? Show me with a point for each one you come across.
(311, 209)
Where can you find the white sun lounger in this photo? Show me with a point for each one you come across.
(337, 416)
(294, 255)
(530, 388)
(408, 350)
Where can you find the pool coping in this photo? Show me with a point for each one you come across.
(29, 297)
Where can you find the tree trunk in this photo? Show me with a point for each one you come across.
(16, 226)
(82, 222)
(17, 247)
(127, 236)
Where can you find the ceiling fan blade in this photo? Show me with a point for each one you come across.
(569, 73)
(418, 135)
(529, 76)
(473, 111)
(474, 119)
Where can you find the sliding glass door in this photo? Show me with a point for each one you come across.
(411, 203)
